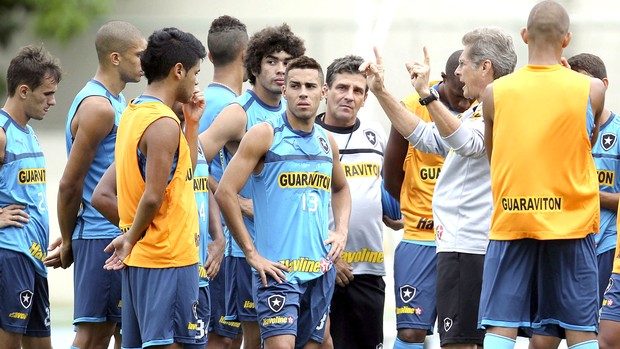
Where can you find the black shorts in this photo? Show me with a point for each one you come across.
(459, 282)
(357, 313)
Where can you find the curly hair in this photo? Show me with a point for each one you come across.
(267, 41)
(167, 47)
(227, 37)
(589, 63)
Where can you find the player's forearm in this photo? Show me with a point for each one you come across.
(445, 121)
(341, 206)
(68, 205)
(191, 134)
(402, 119)
(609, 200)
(149, 205)
(231, 210)
(215, 220)
(107, 205)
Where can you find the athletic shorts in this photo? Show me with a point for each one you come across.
(204, 313)
(356, 313)
(611, 300)
(605, 263)
(239, 301)
(24, 296)
(159, 306)
(97, 292)
(296, 309)
(459, 279)
(556, 285)
(415, 280)
(218, 324)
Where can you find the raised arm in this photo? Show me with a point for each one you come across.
(228, 127)
(193, 112)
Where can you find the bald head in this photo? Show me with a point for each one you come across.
(548, 21)
(116, 36)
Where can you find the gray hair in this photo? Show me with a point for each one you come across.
(494, 44)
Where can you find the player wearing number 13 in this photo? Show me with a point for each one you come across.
(295, 171)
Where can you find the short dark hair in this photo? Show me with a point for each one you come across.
(348, 64)
(116, 36)
(452, 63)
(31, 67)
(227, 37)
(268, 41)
(304, 62)
(167, 47)
(589, 63)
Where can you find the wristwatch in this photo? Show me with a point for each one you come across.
(432, 97)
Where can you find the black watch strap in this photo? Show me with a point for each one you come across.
(432, 97)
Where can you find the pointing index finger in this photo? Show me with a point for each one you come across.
(378, 57)
(426, 59)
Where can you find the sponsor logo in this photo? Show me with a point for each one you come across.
(409, 310)
(532, 203)
(18, 315)
(608, 140)
(425, 223)
(277, 320)
(363, 255)
(606, 178)
(439, 231)
(201, 184)
(306, 265)
(447, 324)
(192, 326)
(190, 174)
(276, 302)
(31, 176)
(324, 144)
(125, 229)
(37, 252)
(202, 272)
(248, 305)
(235, 324)
(362, 169)
(430, 174)
(25, 298)
(371, 136)
(407, 293)
(305, 180)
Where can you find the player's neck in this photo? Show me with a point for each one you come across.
(266, 96)
(111, 82)
(16, 112)
(229, 78)
(605, 115)
(162, 91)
(305, 125)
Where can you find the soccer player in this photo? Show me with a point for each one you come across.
(226, 42)
(294, 170)
(90, 135)
(539, 127)
(32, 80)
(266, 57)
(157, 209)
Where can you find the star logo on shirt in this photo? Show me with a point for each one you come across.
(276, 302)
(371, 136)
(608, 140)
(324, 144)
(407, 292)
(25, 298)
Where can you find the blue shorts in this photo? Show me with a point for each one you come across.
(239, 301)
(159, 306)
(218, 324)
(204, 312)
(97, 292)
(415, 280)
(24, 296)
(611, 300)
(540, 283)
(296, 309)
(605, 266)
